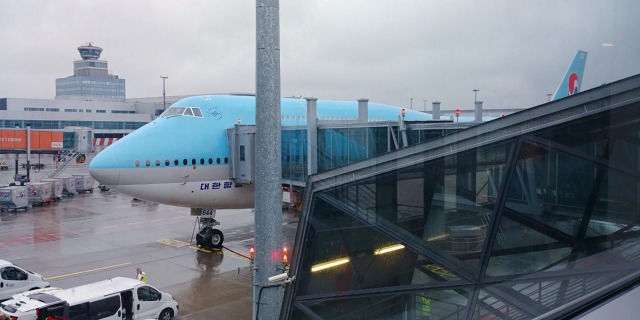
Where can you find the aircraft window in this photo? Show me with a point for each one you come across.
(201, 160)
(197, 112)
(137, 163)
(188, 112)
(226, 160)
(176, 162)
(184, 162)
(193, 162)
(218, 160)
(167, 163)
(147, 163)
(287, 117)
(157, 163)
(173, 111)
(210, 161)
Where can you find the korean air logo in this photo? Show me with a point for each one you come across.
(574, 83)
(215, 114)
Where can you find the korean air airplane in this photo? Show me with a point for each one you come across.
(182, 157)
(572, 80)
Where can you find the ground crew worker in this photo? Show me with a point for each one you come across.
(140, 275)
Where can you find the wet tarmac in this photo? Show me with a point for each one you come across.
(96, 236)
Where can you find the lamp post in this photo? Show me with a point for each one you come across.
(475, 95)
(548, 97)
(164, 103)
(411, 105)
(425, 104)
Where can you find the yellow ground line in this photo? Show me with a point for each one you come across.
(181, 244)
(87, 271)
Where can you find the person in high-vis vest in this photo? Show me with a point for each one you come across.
(140, 275)
(425, 308)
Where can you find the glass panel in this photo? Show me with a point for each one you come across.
(431, 305)
(449, 213)
(357, 144)
(490, 307)
(344, 253)
(565, 212)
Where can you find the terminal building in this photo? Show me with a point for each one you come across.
(91, 97)
(533, 215)
(94, 98)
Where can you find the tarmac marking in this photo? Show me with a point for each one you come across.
(181, 244)
(87, 271)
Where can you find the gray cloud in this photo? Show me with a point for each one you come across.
(514, 52)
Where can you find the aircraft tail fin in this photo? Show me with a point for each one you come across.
(572, 81)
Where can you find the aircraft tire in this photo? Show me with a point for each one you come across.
(203, 238)
(216, 239)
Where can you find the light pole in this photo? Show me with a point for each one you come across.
(548, 97)
(164, 99)
(475, 95)
(425, 104)
(411, 105)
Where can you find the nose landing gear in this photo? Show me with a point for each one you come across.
(209, 237)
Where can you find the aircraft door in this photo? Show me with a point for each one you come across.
(147, 303)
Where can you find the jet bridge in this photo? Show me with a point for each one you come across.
(339, 143)
(241, 140)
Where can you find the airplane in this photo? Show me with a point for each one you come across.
(182, 157)
(572, 81)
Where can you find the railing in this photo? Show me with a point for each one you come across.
(68, 156)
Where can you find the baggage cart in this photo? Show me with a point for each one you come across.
(56, 188)
(68, 185)
(39, 193)
(84, 183)
(14, 198)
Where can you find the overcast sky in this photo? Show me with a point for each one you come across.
(514, 52)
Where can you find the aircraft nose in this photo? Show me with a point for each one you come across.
(105, 167)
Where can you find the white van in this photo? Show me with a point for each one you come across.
(24, 306)
(118, 298)
(14, 280)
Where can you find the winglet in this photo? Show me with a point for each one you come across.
(572, 80)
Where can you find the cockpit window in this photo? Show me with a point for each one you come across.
(173, 111)
(183, 111)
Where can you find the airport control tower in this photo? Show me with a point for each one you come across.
(91, 78)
